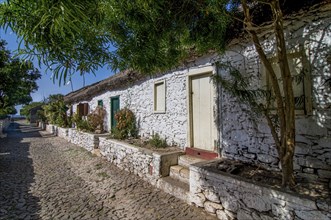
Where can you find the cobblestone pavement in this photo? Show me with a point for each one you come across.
(45, 177)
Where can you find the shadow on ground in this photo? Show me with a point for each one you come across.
(17, 173)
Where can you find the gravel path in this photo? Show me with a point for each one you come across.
(45, 177)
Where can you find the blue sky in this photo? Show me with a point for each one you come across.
(46, 84)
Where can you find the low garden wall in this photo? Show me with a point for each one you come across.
(4, 123)
(50, 128)
(232, 197)
(87, 140)
(42, 125)
(145, 163)
(62, 132)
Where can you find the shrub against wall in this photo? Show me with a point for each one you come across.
(56, 111)
(96, 118)
(93, 122)
(126, 124)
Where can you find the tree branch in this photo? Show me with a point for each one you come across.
(268, 66)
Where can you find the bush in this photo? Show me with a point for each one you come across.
(95, 119)
(126, 124)
(56, 112)
(41, 116)
(81, 124)
(157, 141)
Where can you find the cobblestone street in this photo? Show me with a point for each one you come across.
(45, 177)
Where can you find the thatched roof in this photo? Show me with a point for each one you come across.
(118, 81)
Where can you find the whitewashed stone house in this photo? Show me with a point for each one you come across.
(185, 107)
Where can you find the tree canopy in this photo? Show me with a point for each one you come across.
(25, 110)
(18, 80)
(148, 36)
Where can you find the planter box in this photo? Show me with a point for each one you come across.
(87, 140)
(231, 197)
(62, 132)
(50, 128)
(145, 163)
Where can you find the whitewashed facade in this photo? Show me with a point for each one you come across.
(236, 136)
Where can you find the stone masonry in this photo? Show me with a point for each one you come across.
(229, 198)
(248, 140)
(145, 163)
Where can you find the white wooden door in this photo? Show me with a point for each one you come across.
(202, 113)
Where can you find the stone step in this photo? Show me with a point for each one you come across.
(96, 152)
(174, 187)
(187, 160)
(180, 173)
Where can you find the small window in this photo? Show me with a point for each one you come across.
(159, 97)
(82, 109)
(100, 103)
(300, 81)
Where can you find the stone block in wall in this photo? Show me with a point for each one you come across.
(309, 126)
(212, 207)
(302, 148)
(312, 162)
(308, 170)
(256, 202)
(240, 136)
(244, 215)
(230, 203)
(325, 143)
(303, 139)
(265, 158)
(281, 213)
(308, 214)
(324, 173)
(198, 199)
(212, 196)
(221, 214)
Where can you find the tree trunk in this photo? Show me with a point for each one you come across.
(285, 139)
(287, 172)
(288, 143)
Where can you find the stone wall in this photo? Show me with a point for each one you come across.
(250, 140)
(143, 162)
(229, 198)
(50, 128)
(62, 132)
(87, 140)
(172, 124)
(4, 123)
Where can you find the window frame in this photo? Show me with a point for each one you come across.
(306, 83)
(155, 96)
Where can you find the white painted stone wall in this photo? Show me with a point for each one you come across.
(86, 140)
(245, 140)
(62, 132)
(145, 163)
(231, 198)
(172, 124)
(240, 137)
(50, 128)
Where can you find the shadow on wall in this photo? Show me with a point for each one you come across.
(17, 174)
(242, 139)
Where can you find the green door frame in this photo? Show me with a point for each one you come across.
(114, 107)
